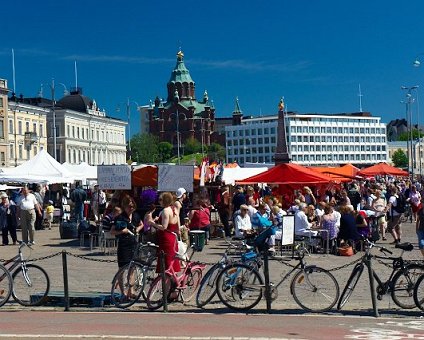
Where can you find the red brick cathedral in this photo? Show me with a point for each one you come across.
(182, 114)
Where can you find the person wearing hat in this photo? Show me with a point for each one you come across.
(29, 208)
(181, 195)
(242, 223)
(8, 220)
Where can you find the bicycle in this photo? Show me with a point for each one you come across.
(6, 285)
(130, 282)
(207, 288)
(315, 289)
(419, 293)
(31, 284)
(400, 283)
(178, 286)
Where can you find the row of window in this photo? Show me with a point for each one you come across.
(27, 127)
(20, 152)
(100, 157)
(334, 119)
(252, 141)
(82, 133)
(338, 158)
(345, 148)
(337, 139)
(251, 132)
(335, 130)
(254, 150)
(251, 159)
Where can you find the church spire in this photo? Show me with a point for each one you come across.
(237, 113)
(180, 80)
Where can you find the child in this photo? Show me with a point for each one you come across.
(49, 213)
(184, 229)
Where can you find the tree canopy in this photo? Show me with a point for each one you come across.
(400, 159)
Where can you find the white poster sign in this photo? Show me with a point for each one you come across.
(172, 177)
(114, 177)
(288, 230)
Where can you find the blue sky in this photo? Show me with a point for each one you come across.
(314, 53)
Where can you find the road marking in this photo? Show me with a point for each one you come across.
(138, 337)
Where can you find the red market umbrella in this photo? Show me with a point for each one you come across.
(288, 173)
(382, 169)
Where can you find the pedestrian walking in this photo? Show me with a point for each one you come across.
(8, 219)
(29, 208)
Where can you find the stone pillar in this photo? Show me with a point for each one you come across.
(281, 152)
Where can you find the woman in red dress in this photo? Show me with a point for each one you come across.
(168, 226)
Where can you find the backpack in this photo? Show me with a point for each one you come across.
(400, 203)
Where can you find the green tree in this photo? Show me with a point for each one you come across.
(400, 159)
(144, 148)
(165, 151)
(192, 145)
(216, 152)
(404, 136)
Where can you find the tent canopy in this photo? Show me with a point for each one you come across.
(42, 168)
(145, 176)
(382, 169)
(344, 173)
(82, 170)
(288, 173)
(232, 175)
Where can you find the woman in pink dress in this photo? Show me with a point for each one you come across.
(168, 227)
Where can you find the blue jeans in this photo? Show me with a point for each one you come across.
(79, 212)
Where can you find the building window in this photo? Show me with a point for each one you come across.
(73, 131)
(12, 151)
(20, 128)
(21, 150)
(11, 126)
(1, 102)
(41, 130)
(35, 150)
(1, 128)
(28, 153)
(78, 133)
(27, 126)
(34, 127)
(68, 128)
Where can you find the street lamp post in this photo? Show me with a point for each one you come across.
(409, 101)
(128, 109)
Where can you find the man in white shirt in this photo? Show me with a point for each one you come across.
(301, 224)
(28, 208)
(242, 222)
(393, 224)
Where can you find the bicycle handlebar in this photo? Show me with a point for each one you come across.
(382, 249)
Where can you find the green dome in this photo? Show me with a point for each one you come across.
(180, 74)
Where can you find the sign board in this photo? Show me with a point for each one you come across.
(114, 177)
(172, 177)
(288, 230)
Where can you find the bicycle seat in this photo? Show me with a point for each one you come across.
(405, 246)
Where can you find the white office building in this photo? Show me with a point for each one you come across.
(313, 139)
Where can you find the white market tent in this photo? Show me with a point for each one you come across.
(82, 170)
(42, 168)
(231, 175)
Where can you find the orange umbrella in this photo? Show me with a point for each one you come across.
(382, 169)
(145, 176)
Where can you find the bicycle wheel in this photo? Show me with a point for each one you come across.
(207, 289)
(193, 281)
(5, 285)
(149, 276)
(31, 285)
(350, 285)
(156, 292)
(419, 293)
(239, 287)
(315, 289)
(127, 285)
(147, 253)
(403, 284)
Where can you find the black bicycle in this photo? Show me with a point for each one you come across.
(400, 283)
(419, 293)
(315, 289)
(132, 281)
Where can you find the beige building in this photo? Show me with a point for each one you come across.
(26, 131)
(3, 122)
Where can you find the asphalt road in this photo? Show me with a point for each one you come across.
(132, 325)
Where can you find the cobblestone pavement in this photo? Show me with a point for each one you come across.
(91, 275)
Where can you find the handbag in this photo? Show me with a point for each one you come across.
(182, 250)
